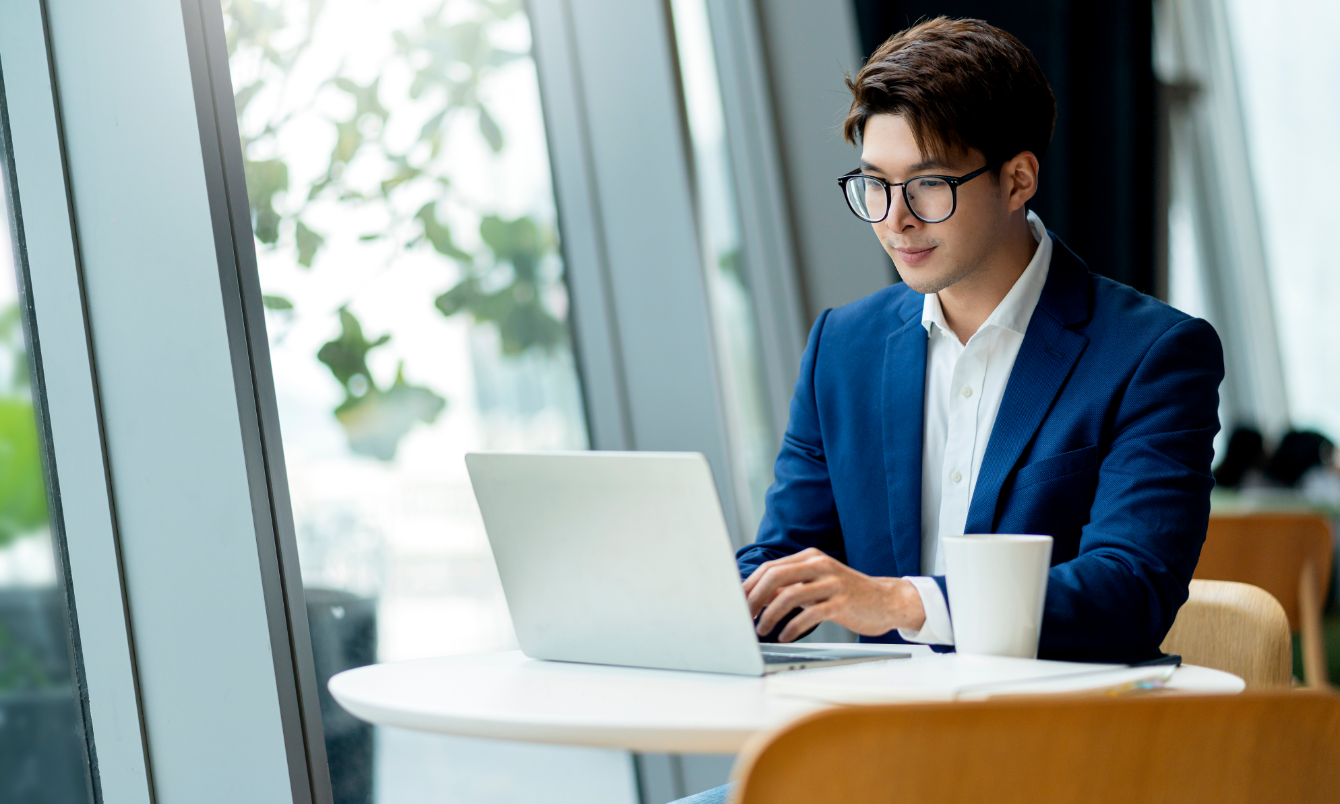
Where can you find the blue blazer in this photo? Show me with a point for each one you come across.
(1102, 441)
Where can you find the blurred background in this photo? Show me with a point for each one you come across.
(400, 169)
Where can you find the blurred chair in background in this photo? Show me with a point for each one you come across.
(1244, 460)
(1288, 555)
(1210, 749)
(1234, 627)
(1299, 452)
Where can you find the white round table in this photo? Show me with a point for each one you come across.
(507, 696)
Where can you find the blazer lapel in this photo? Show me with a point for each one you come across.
(1046, 357)
(902, 403)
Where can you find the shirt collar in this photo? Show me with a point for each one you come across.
(1016, 309)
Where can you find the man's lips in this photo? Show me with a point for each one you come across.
(915, 256)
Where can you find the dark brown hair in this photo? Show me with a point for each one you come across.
(960, 84)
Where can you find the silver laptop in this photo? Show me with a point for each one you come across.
(623, 558)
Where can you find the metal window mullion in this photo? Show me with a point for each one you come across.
(181, 411)
(769, 258)
(581, 215)
(65, 394)
(239, 277)
(615, 134)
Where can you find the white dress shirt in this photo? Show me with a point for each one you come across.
(964, 386)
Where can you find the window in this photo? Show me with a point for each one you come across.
(1289, 76)
(735, 328)
(41, 728)
(416, 307)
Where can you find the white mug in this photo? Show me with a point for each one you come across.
(997, 588)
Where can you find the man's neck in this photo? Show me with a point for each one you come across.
(969, 302)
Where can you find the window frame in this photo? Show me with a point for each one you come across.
(124, 405)
(70, 430)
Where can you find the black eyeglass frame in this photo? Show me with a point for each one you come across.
(952, 181)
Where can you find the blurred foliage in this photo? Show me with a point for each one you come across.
(515, 305)
(23, 501)
(20, 669)
(374, 419)
(449, 57)
(11, 340)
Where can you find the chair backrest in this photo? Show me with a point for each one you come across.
(1234, 627)
(1208, 749)
(1268, 550)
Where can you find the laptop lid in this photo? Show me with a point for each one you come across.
(616, 558)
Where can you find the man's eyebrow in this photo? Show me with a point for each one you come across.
(925, 164)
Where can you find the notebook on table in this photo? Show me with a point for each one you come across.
(952, 676)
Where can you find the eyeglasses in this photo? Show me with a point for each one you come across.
(932, 199)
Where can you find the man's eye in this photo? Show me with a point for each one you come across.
(931, 184)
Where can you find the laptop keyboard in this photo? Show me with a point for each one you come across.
(793, 658)
(786, 654)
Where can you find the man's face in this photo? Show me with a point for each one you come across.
(932, 256)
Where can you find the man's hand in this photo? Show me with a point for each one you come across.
(827, 589)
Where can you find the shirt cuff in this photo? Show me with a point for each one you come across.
(937, 630)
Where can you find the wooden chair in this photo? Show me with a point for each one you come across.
(1213, 749)
(1286, 554)
(1234, 627)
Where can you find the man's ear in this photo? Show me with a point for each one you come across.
(1019, 179)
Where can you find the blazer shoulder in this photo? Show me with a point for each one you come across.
(1126, 325)
(1125, 308)
(879, 313)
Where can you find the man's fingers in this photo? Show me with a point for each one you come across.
(792, 597)
(803, 622)
(804, 555)
(776, 578)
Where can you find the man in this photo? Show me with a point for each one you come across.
(1001, 388)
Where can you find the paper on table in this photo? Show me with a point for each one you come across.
(952, 676)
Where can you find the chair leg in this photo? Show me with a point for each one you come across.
(1309, 616)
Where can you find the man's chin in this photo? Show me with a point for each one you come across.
(924, 279)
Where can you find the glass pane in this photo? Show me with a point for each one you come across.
(735, 330)
(41, 730)
(1289, 77)
(405, 227)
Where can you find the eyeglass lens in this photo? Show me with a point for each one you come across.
(930, 199)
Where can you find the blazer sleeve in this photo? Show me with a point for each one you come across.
(1119, 596)
(801, 511)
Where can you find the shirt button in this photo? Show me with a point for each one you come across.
(956, 477)
(967, 392)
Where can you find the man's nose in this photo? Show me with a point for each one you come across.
(900, 218)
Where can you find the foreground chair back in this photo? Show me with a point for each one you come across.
(1228, 749)
(1286, 554)
(1234, 627)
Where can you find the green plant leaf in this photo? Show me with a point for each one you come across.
(347, 355)
(439, 235)
(23, 500)
(276, 302)
(519, 242)
(308, 243)
(516, 308)
(375, 422)
(490, 129)
(348, 139)
(265, 179)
